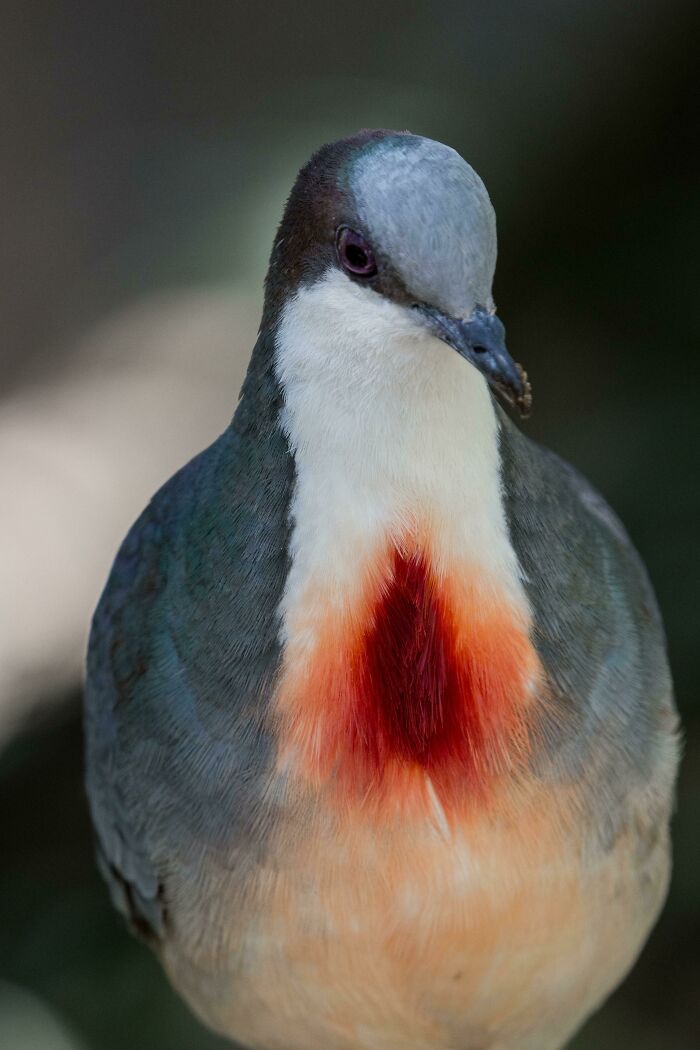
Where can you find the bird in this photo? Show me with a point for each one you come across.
(381, 742)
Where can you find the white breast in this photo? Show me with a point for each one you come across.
(391, 431)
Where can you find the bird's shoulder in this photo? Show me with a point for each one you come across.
(183, 649)
(569, 536)
(597, 625)
(130, 673)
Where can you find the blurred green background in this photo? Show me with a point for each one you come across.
(147, 149)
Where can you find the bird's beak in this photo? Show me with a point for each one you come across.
(480, 339)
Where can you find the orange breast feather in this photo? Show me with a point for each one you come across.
(420, 683)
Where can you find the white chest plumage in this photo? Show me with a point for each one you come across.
(388, 426)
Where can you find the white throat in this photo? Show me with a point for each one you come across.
(390, 430)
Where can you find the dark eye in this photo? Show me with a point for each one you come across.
(355, 254)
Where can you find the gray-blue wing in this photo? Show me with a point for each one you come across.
(598, 628)
(117, 670)
(182, 658)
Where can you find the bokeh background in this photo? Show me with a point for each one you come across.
(147, 149)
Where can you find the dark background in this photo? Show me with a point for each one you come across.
(147, 149)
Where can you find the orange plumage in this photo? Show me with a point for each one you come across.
(423, 678)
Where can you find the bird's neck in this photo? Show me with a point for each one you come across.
(401, 565)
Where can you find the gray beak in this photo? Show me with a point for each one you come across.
(481, 340)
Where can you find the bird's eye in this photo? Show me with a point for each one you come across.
(355, 255)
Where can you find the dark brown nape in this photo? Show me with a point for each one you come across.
(319, 202)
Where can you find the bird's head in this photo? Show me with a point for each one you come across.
(403, 230)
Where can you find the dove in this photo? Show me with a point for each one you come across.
(381, 739)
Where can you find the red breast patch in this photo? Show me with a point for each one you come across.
(425, 676)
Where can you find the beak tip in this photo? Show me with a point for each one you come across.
(481, 341)
(523, 400)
